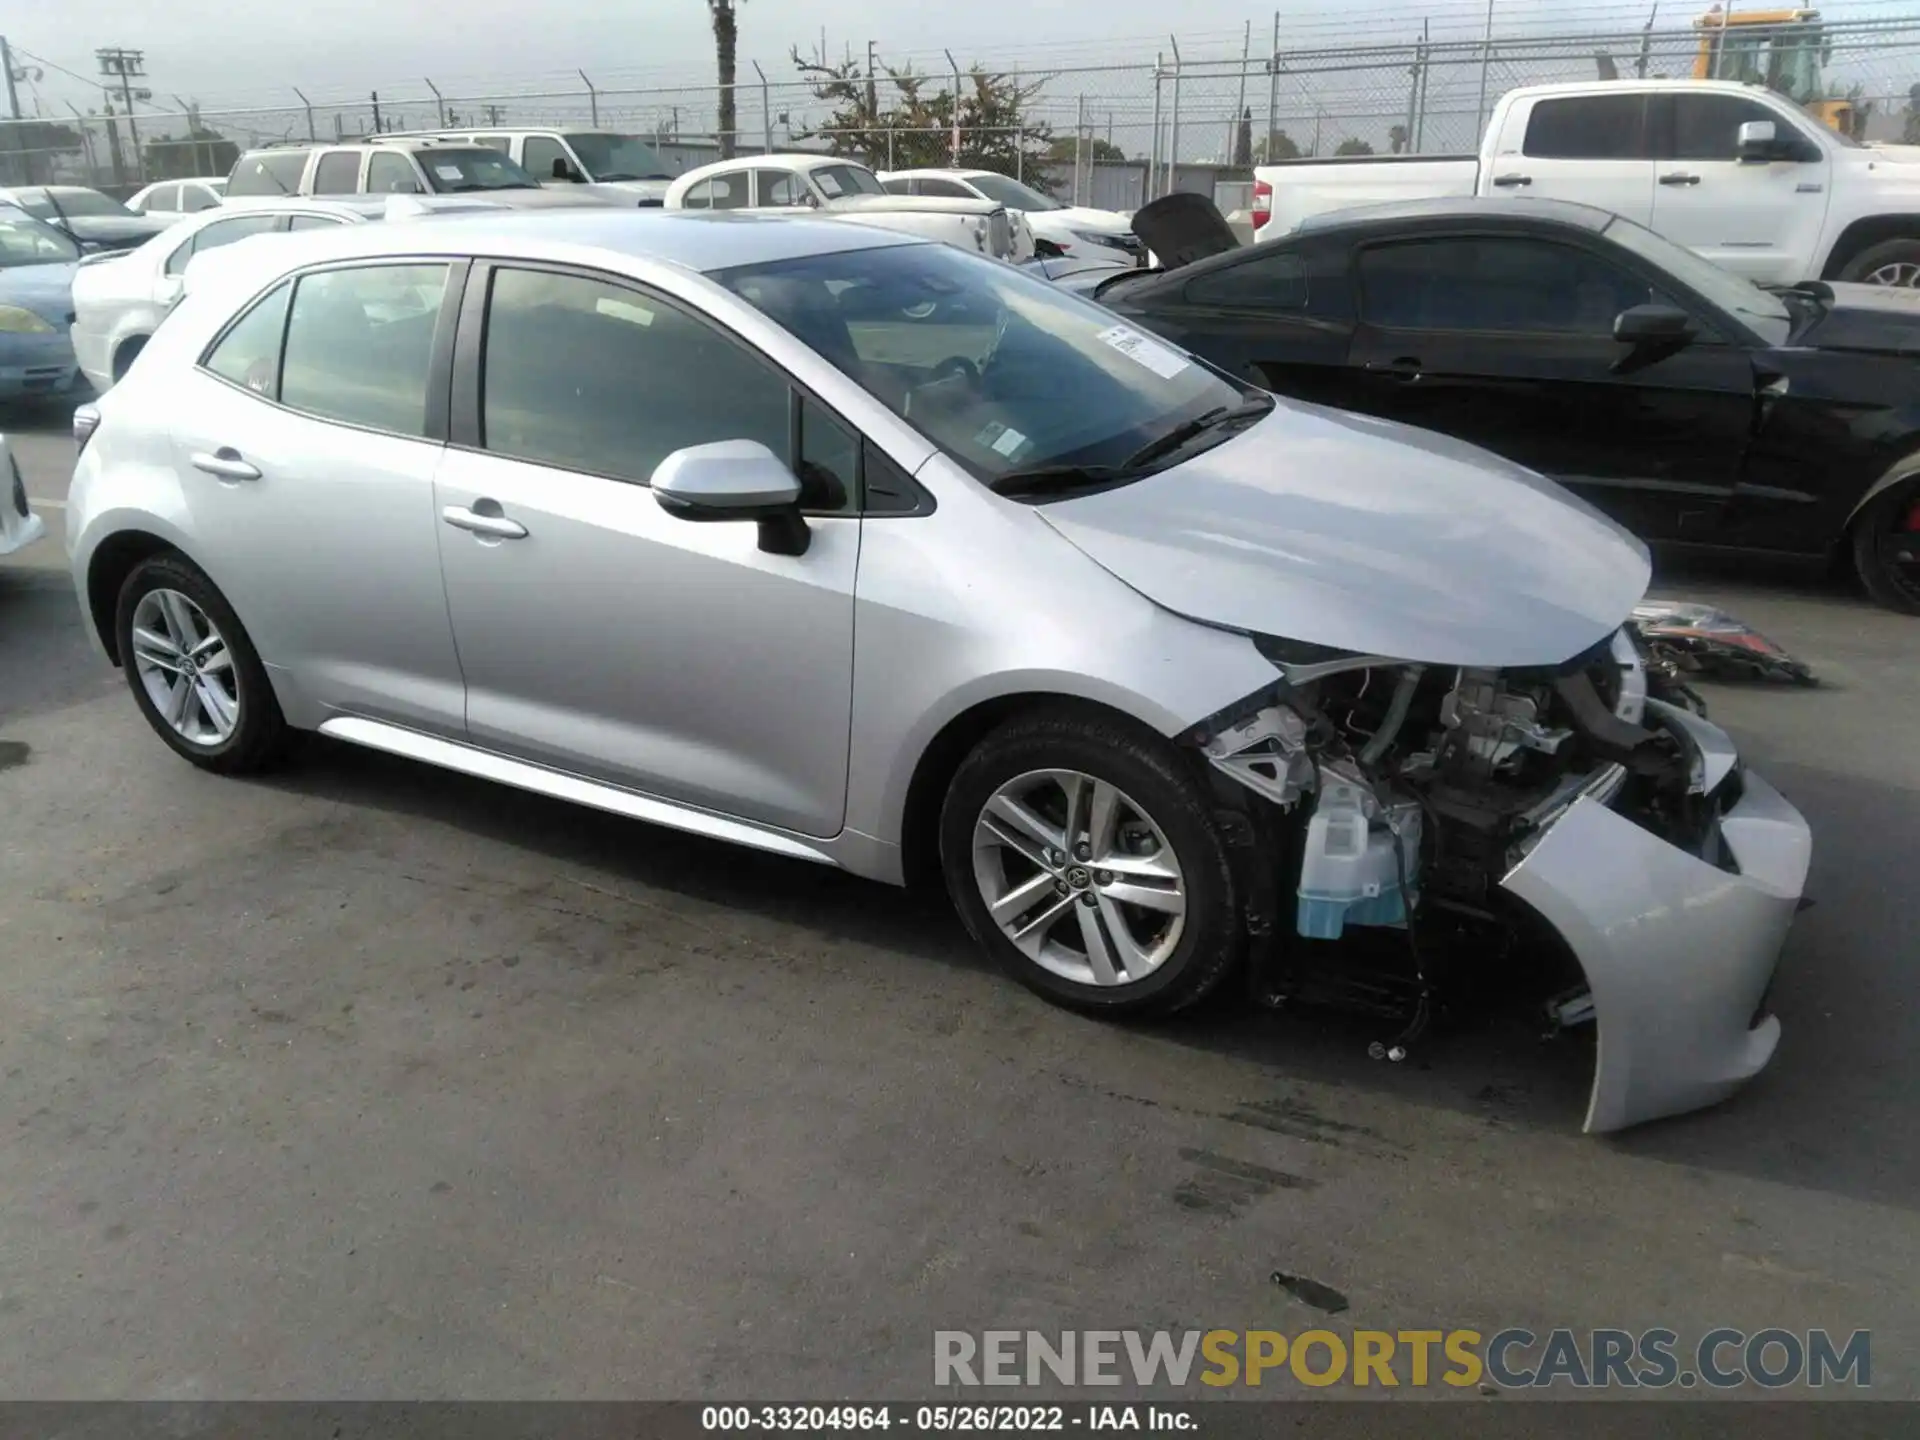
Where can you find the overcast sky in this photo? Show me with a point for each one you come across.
(241, 55)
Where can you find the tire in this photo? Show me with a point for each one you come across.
(1887, 254)
(1159, 821)
(1889, 526)
(226, 670)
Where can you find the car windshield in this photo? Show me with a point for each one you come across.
(452, 171)
(1002, 371)
(71, 203)
(25, 241)
(617, 157)
(1759, 310)
(1012, 194)
(837, 180)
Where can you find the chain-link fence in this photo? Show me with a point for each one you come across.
(1112, 134)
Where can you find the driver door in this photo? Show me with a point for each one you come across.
(1507, 341)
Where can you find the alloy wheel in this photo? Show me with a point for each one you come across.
(1079, 877)
(186, 667)
(1898, 544)
(1903, 273)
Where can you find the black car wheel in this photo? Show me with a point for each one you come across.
(1886, 548)
(1081, 854)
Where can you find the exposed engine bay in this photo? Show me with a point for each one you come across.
(1404, 794)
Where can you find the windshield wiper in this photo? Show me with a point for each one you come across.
(1192, 430)
(1042, 478)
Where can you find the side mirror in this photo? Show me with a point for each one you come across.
(563, 169)
(1652, 325)
(1755, 142)
(735, 480)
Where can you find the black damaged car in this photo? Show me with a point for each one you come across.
(1696, 408)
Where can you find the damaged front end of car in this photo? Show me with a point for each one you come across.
(1575, 812)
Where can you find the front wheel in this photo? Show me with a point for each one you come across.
(1886, 548)
(1891, 262)
(1082, 856)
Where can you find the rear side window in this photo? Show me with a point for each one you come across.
(1588, 127)
(163, 197)
(338, 173)
(220, 232)
(585, 375)
(195, 198)
(249, 353)
(313, 222)
(359, 345)
(268, 172)
(1496, 284)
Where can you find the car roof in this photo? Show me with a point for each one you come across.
(794, 161)
(1461, 207)
(700, 241)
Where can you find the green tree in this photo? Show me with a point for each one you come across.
(1276, 147)
(28, 149)
(201, 152)
(892, 119)
(1093, 149)
(1353, 145)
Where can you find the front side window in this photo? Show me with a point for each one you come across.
(390, 174)
(1005, 190)
(216, 234)
(337, 173)
(249, 353)
(538, 154)
(1707, 127)
(780, 187)
(76, 201)
(1500, 284)
(268, 172)
(945, 189)
(587, 375)
(313, 222)
(360, 343)
(1002, 371)
(1588, 127)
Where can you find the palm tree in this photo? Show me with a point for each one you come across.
(726, 34)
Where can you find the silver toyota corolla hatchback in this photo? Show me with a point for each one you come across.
(874, 554)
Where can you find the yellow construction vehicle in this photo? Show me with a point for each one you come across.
(1785, 50)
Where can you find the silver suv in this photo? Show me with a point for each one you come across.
(394, 166)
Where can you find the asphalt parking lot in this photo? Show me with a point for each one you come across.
(367, 1080)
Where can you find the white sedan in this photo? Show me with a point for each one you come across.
(176, 199)
(1058, 230)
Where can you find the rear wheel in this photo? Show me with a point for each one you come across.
(1886, 548)
(1891, 262)
(1082, 856)
(193, 671)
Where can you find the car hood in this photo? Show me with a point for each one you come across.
(1881, 318)
(1367, 536)
(46, 290)
(645, 192)
(1181, 228)
(114, 229)
(935, 204)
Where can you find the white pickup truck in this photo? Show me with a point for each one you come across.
(1736, 172)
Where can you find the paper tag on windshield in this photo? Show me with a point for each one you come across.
(1000, 439)
(447, 172)
(1151, 353)
(827, 182)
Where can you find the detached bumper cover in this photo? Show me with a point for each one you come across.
(1677, 953)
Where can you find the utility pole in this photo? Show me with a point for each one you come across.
(126, 66)
(873, 92)
(1240, 105)
(13, 95)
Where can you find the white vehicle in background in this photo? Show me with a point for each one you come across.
(175, 199)
(1074, 231)
(1735, 172)
(605, 163)
(847, 190)
(119, 300)
(19, 526)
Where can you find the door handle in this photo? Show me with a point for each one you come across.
(1507, 182)
(1680, 177)
(1404, 368)
(496, 527)
(225, 463)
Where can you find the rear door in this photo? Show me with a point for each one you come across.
(1760, 219)
(305, 442)
(1506, 340)
(1592, 149)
